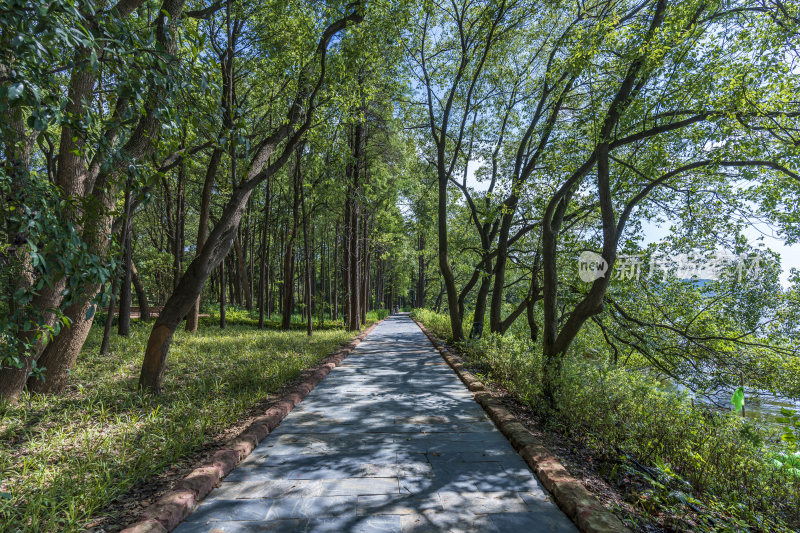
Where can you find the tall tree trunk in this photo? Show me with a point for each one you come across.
(72, 178)
(270, 279)
(60, 354)
(241, 279)
(335, 269)
(178, 226)
(235, 275)
(124, 322)
(324, 259)
(217, 246)
(222, 281)
(307, 254)
(110, 316)
(496, 308)
(202, 228)
(364, 273)
(353, 307)
(479, 316)
(141, 295)
(289, 257)
(444, 259)
(439, 298)
(282, 282)
(534, 296)
(263, 296)
(232, 277)
(125, 296)
(390, 293)
(249, 253)
(346, 263)
(352, 232)
(420, 303)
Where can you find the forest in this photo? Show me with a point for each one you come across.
(595, 202)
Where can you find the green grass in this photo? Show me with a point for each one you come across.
(64, 458)
(723, 464)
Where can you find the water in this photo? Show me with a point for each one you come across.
(758, 405)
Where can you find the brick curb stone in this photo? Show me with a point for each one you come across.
(570, 495)
(173, 507)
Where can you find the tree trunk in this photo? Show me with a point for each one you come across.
(364, 273)
(241, 280)
(124, 322)
(439, 298)
(479, 317)
(420, 303)
(352, 232)
(307, 254)
(141, 295)
(263, 295)
(202, 228)
(289, 257)
(109, 317)
(335, 269)
(222, 281)
(529, 311)
(444, 259)
(270, 280)
(22, 274)
(183, 298)
(60, 354)
(496, 308)
(178, 226)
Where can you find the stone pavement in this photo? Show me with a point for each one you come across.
(390, 441)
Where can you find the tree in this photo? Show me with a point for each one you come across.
(124, 130)
(631, 160)
(281, 140)
(469, 32)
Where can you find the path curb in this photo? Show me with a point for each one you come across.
(580, 505)
(174, 506)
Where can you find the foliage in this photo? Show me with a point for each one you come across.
(791, 428)
(48, 247)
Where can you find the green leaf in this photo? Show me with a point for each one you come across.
(90, 312)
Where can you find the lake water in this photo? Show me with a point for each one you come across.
(759, 405)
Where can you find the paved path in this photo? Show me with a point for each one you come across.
(390, 441)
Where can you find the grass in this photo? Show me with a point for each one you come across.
(64, 458)
(707, 470)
